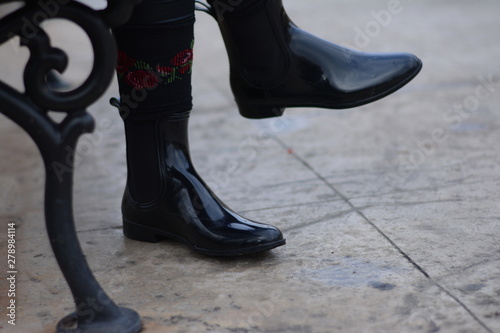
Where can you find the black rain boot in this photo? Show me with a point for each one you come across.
(275, 64)
(185, 208)
(165, 197)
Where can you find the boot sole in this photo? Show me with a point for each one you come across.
(143, 233)
(259, 111)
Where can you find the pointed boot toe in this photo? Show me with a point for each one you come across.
(362, 78)
(241, 236)
(393, 71)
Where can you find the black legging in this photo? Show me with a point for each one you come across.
(151, 12)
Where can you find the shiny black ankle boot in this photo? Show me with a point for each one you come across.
(185, 208)
(275, 64)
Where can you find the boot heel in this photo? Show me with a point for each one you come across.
(259, 111)
(140, 233)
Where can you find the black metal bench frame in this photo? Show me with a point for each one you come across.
(95, 311)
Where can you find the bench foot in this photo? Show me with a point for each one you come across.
(128, 322)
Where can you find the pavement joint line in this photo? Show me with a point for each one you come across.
(270, 186)
(289, 205)
(354, 208)
(372, 224)
(317, 221)
(416, 203)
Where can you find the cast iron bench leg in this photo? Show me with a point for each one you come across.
(95, 311)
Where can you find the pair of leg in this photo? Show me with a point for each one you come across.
(274, 65)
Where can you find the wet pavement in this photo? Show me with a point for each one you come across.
(391, 210)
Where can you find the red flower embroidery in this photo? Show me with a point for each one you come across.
(124, 62)
(141, 75)
(183, 60)
(141, 79)
(164, 70)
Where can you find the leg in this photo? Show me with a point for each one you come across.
(165, 197)
(275, 64)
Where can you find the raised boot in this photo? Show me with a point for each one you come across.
(275, 64)
(185, 208)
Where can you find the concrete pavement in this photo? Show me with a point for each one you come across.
(391, 210)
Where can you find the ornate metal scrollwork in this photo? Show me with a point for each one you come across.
(95, 311)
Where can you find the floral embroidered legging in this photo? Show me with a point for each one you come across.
(155, 59)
